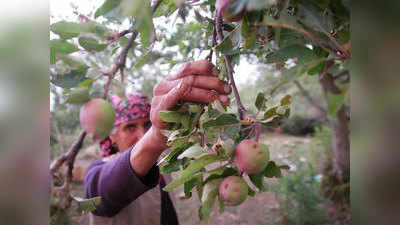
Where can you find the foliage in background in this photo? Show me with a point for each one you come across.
(298, 196)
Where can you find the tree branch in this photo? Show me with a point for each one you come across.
(70, 156)
(241, 110)
(114, 37)
(120, 64)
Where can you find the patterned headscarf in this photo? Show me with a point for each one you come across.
(133, 107)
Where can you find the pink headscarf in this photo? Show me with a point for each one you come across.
(134, 106)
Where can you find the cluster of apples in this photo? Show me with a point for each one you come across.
(250, 157)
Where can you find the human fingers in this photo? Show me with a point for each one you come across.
(205, 96)
(201, 67)
(203, 82)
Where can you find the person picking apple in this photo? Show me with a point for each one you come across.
(128, 179)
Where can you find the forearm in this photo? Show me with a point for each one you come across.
(146, 152)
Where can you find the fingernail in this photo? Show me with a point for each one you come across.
(215, 71)
(227, 88)
(223, 98)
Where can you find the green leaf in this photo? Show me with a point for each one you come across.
(141, 11)
(142, 60)
(178, 142)
(87, 205)
(107, 6)
(186, 121)
(170, 116)
(225, 46)
(193, 152)
(70, 78)
(221, 120)
(260, 100)
(99, 30)
(72, 62)
(210, 193)
(194, 108)
(66, 30)
(221, 205)
(86, 83)
(78, 95)
(225, 172)
(282, 110)
(218, 106)
(166, 8)
(170, 167)
(251, 192)
(300, 52)
(91, 44)
(257, 180)
(270, 113)
(195, 166)
(285, 100)
(199, 189)
(300, 69)
(174, 153)
(335, 101)
(251, 39)
(189, 185)
(316, 69)
(200, 213)
(319, 20)
(62, 46)
(146, 31)
(245, 27)
(248, 33)
(272, 170)
(284, 167)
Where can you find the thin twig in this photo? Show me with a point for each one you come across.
(114, 37)
(241, 110)
(225, 26)
(120, 64)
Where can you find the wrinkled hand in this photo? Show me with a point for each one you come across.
(196, 82)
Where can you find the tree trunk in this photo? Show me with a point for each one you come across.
(341, 145)
(340, 130)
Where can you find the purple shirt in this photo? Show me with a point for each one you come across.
(118, 185)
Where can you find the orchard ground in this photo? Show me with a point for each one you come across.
(264, 207)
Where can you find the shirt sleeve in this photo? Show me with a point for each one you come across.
(117, 184)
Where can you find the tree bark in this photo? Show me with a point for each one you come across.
(341, 145)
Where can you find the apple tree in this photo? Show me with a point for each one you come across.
(216, 148)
